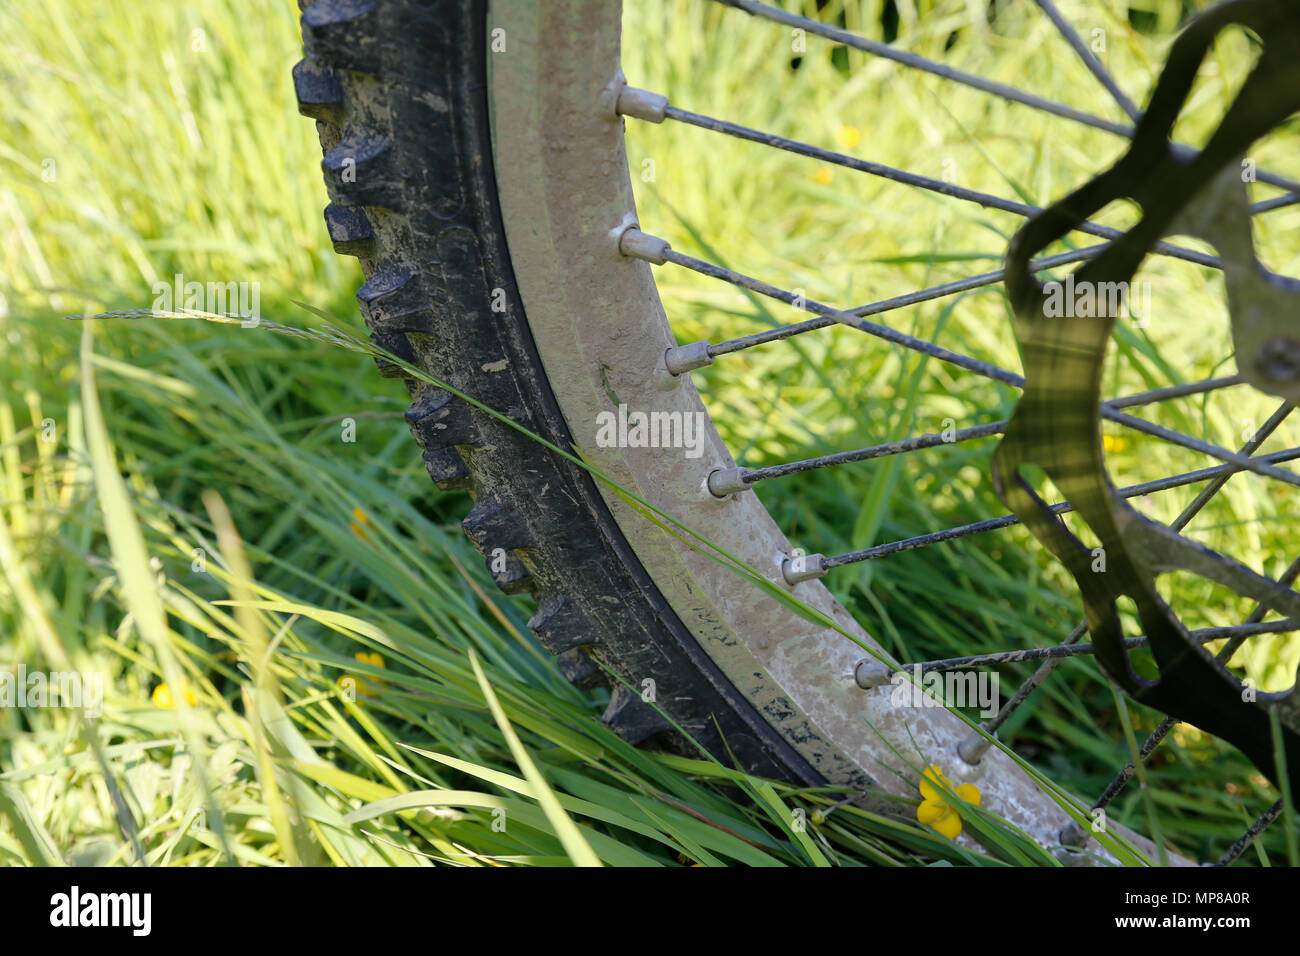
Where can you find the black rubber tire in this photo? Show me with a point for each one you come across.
(399, 92)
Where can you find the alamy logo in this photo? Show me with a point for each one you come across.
(243, 300)
(74, 908)
(55, 689)
(945, 688)
(1092, 300)
(651, 430)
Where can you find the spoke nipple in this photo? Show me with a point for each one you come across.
(974, 747)
(639, 245)
(642, 104)
(608, 99)
(726, 481)
(803, 568)
(869, 674)
(685, 358)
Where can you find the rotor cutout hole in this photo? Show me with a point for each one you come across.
(1178, 334)
(1130, 622)
(1200, 603)
(1122, 214)
(1275, 227)
(1226, 65)
(1037, 480)
(1268, 650)
(1119, 215)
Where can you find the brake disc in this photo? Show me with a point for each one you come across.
(1057, 423)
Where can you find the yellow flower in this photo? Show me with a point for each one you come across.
(347, 681)
(359, 525)
(935, 809)
(848, 136)
(824, 175)
(1113, 443)
(163, 700)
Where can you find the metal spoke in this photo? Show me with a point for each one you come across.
(884, 50)
(1001, 90)
(1006, 521)
(753, 475)
(930, 440)
(976, 744)
(1174, 391)
(1277, 202)
(706, 352)
(986, 200)
(1089, 59)
(1251, 835)
(899, 302)
(985, 369)
(1273, 423)
(871, 673)
(1204, 447)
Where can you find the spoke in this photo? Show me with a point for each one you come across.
(984, 369)
(930, 440)
(1089, 59)
(1006, 521)
(1248, 448)
(976, 744)
(708, 351)
(1251, 835)
(884, 50)
(900, 302)
(1175, 391)
(1256, 465)
(1009, 93)
(986, 200)
(1277, 202)
(751, 476)
(925, 540)
(871, 673)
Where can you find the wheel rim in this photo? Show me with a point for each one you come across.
(601, 333)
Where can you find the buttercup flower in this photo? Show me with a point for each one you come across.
(163, 699)
(363, 687)
(359, 524)
(935, 809)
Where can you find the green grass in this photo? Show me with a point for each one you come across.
(170, 159)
